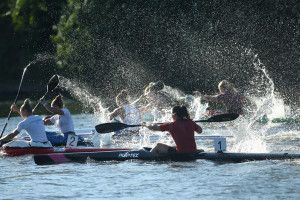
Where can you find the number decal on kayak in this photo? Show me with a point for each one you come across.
(220, 144)
(72, 140)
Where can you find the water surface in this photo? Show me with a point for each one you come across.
(20, 178)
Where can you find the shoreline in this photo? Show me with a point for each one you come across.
(75, 107)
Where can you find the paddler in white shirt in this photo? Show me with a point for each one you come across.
(155, 101)
(32, 124)
(62, 119)
(127, 112)
(156, 97)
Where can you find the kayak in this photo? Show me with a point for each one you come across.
(145, 154)
(18, 151)
(289, 120)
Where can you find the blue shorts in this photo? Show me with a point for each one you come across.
(58, 139)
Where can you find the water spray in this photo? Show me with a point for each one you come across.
(40, 57)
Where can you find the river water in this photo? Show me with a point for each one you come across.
(20, 178)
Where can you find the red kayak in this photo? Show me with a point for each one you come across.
(18, 151)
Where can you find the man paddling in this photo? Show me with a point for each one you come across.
(228, 96)
(62, 119)
(33, 124)
(127, 111)
(182, 131)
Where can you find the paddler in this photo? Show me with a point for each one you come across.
(32, 124)
(156, 97)
(62, 119)
(228, 96)
(182, 131)
(154, 101)
(127, 112)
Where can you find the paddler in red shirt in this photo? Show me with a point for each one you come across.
(182, 131)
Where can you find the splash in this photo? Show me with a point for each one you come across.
(82, 94)
(39, 58)
(250, 137)
(261, 91)
(247, 139)
(268, 102)
(193, 103)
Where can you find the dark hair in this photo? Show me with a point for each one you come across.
(181, 112)
(58, 101)
(27, 106)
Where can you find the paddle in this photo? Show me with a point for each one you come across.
(52, 84)
(115, 126)
(17, 96)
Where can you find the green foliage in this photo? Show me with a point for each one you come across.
(126, 44)
(26, 14)
(25, 29)
(188, 44)
(66, 29)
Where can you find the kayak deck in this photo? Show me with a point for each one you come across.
(47, 159)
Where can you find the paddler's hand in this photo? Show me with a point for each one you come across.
(14, 108)
(153, 127)
(47, 117)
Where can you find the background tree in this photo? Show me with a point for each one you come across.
(188, 44)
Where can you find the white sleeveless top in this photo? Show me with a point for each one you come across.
(132, 114)
(35, 127)
(63, 122)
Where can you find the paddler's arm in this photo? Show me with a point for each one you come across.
(212, 98)
(52, 109)
(198, 129)
(145, 108)
(117, 112)
(47, 120)
(138, 100)
(159, 127)
(9, 137)
(141, 101)
(154, 127)
(15, 108)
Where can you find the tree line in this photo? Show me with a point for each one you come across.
(115, 44)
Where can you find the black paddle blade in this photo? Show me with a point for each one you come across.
(53, 83)
(223, 117)
(110, 127)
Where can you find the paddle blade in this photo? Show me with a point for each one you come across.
(110, 127)
(53, 83)
(223, 117)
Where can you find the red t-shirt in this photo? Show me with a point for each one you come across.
(182, 132)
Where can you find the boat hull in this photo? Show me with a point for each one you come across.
(146, 155)
(18, 151)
